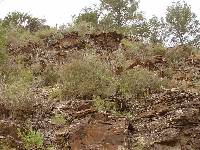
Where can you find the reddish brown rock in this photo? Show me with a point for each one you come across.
(99, 132)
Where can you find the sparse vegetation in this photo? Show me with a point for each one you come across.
(50, 77)
(16, 87)
(178, 54)
(139, 83)
(104, 105)
(104, 64)
(58, 119)
(31, 139)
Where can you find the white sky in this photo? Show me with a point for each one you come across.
(61, 11)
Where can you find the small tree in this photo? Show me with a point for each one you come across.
(16, 19)
(140, 28)
(156, 30)
(23, 20)
(88, 15)
(183, 26)
(120, 11)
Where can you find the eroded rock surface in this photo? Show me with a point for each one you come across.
(90, 129)
(169, 121)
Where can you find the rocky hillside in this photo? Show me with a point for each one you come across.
(103, 91)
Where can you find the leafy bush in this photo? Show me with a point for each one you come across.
(16, 89)
(137, 49)
(20, 74)
(3, 56)
(82, 28)
(56, 92)
(5, 147)
(58, 119)
(177, 54)
(118, 58)
(48, 36)
(24, 21)
(50, 77)
(104, 105)
(139, 83)
(20, 38)
(132, 49)
(167, 72)
(2, 44)
(157, 49)
(43, 33)
(31, 139)
(88, 15)
(84, 79)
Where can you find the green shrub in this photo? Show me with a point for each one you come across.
(119, 59)
(3, 53)
(16, 91)
(50, 77)
(196, 84)
(10, 69)
(3, 56)
(20, 38)
(21, 74)
(5, 147)
(139, 49)
(56, 92)
(2, 45)
(51, 148)
(31, 139)
(82, 28)
(168, 73)
(157, 49)
(49, 36)
(139, 83)
(85, 79)
(177, 54)
(104, 105)
(133, 49)
(44, 33)
(58, 119)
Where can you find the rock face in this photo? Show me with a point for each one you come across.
(91, 130)
(169, 121)
(99, 132)
(9, 134)
(57, 50)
